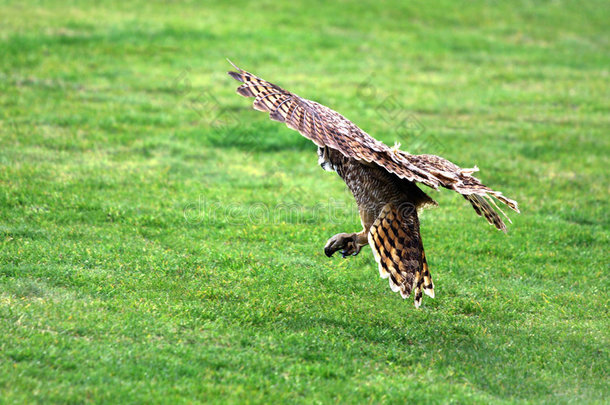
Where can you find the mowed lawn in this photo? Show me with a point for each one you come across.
(161, 242)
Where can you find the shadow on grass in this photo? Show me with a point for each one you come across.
(250, 138)
(503, 361)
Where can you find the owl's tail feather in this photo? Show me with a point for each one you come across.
(397, 246)
(428, 284)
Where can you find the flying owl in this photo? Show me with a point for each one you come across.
(383, 181)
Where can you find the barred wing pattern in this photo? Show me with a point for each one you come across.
(326, 127)
(462, 181)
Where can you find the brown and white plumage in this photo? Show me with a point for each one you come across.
(383, 181)
(398, 249)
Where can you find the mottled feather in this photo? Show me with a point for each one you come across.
(398, 249)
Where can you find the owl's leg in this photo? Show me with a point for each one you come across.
(349, 243)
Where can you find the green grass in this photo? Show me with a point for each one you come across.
(162, 242)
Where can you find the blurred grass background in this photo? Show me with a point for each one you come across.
(145, 254)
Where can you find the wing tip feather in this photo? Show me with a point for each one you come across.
(235, 75)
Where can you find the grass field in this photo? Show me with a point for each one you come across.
(162, 242)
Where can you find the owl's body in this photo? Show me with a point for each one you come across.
(383, 182)
(374, 189)
(373, 186)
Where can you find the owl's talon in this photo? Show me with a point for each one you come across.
(352, 249)
(345, 242)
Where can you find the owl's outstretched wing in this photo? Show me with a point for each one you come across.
(326, 127)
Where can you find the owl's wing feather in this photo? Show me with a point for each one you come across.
(463, 182)
(398, 249)
(326, 127)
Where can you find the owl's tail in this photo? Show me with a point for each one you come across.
(398, 249)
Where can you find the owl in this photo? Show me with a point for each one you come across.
(384, 182)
